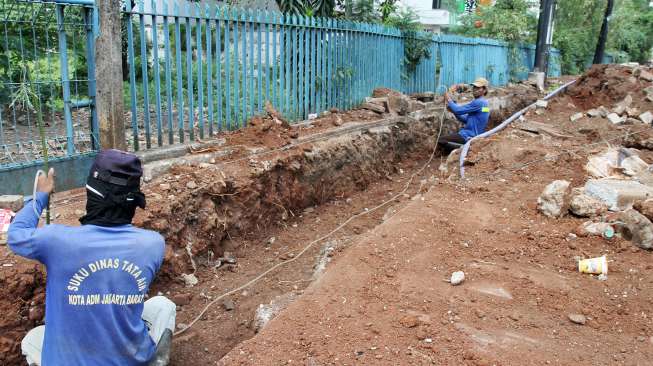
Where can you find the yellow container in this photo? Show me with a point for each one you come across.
(597, 265)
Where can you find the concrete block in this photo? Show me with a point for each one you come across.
(552, 201)
(541, 104)
(618, 195)
(592, 113)
(374, 107)
(537, 78)
(12, 202)
(615, 118)
(646, 117)
(575, 117)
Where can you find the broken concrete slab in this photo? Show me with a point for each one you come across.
(617, 194)
(12, 202)
(584, 205)
(373, 107)
(646, 117)
(636, 227)
(575, 117)
(593, 113)
(615, 118)
(551, 202)
(633, 165)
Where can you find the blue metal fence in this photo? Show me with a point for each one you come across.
(46, 65)
(197, 70)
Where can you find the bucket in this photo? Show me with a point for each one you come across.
(597, 265)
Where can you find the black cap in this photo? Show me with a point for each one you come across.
(117, 167)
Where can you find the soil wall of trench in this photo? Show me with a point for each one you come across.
(198, 207)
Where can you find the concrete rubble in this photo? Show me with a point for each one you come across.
(617, 194)
(636, 227)
(12, 202)
(584, 205)
(552, 201)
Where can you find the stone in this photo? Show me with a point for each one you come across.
(575, 117)
(604, 111)
(645, 207)
(579, 319)
(337, 121)
(189, 279)
(541, 104)
(79, 212)
(182, 326)
(398, 104)
(272, 240)
(648, 90)
(409, 321)
(182, 299)
(615, 118)
(645, 75)
(632, 112)
(551, 202)
(636, 227)
(373, 107)
(228, 304)
(633, 165)
(538, 79)
(617, 194)
(586, 206)
(164, 186)
(592, 228)
(457, 278)
(191, 184)
(12, 202)
(632, 121)
(593, 113)
(415, 105)
(646, 117)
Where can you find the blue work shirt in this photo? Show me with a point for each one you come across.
(474, 115)
(97, 278)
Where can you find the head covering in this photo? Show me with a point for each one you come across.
(481, 83)
(113, 189)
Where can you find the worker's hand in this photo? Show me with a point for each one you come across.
(45, 183)
(447, 97)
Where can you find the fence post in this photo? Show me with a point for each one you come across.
(108, 53)
(65, 80)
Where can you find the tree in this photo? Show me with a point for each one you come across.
(631, 31)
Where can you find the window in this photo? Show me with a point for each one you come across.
(437, 4)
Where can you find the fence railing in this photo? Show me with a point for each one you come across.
(46, 65)
(194, 71)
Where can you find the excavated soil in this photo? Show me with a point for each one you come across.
(236, 205)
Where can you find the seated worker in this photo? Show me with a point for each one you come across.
(474, 115)
(98, 274)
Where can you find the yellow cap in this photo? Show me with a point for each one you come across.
(481, 82)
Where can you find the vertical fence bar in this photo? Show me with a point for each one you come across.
(200, 74)
(209, 67)
(244, 74)
(90, 71)
(146, 80)
(156, 76)
(227, 57)
(251, 71)
(301, 50)
(179, 72)
(292, 102)
(189, 74)
(168, 66)
(314, 74)
(236, 69)
(259, 76)
(275, 85)
(65, 80)
(218, 64)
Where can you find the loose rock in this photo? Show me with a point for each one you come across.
(645, 207)
(615, 118)
(578, 319)
(191, 185)
(646, 117)
(575, 117)
(586, 206)
(228, 304)
(552, 201)
(182, 299)
(12, 202)
(457, 278)
(189, 279)
(636, 227)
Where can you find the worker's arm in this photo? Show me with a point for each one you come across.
(23, 237)
(471, 107)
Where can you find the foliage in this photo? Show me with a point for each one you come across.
(507, 20)
(631, 30)
(322, 8)
(417, 44)
(576, 36)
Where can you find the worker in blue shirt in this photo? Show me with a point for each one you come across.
(474, 115)
(98, 274)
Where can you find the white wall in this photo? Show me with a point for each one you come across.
(427, 15)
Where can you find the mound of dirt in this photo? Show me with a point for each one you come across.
(609, 84)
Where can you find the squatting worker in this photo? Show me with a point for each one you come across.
(474, 114)
(98, 274)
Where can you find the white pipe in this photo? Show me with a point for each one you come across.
(465, 150)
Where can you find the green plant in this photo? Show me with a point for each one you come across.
(631, 30)
(417, 43)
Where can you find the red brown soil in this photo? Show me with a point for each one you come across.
(384, 301)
